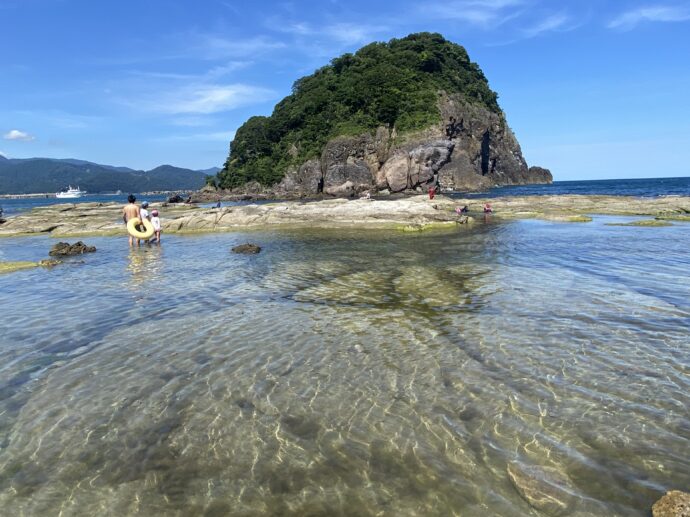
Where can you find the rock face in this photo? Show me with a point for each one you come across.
(674, 504)
(486, 153)
(65, 249)
(472, 149)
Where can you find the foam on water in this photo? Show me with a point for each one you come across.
(357, 373)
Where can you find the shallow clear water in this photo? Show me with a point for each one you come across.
(354, 373)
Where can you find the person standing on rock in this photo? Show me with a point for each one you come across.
(131, 211)
(432, 192)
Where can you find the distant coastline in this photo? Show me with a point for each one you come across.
(52, 194)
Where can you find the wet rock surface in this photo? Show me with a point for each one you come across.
(247, 249)
(65, 249)
(674, 504)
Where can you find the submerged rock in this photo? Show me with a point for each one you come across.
(643, 222)
(545, 488)
(247, 249)
(65, 249)
(49, 262)
(674, 504)
(9, 267)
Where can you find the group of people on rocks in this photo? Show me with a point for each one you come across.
(465, 209)
(433, 190)
(132, 210)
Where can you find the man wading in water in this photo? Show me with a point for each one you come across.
(130, 211)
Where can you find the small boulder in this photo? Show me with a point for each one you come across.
(247, 249)
(674, 504)
(347, 189)
(65, 249)
(175, 199)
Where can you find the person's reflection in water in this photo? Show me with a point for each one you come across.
(145, 266)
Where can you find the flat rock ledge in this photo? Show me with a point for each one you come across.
(674, 504)
(84, 219)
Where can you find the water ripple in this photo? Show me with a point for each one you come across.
(342, 373)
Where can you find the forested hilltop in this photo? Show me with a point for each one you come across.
(393, 85)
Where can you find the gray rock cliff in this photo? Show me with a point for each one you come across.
(471, 149)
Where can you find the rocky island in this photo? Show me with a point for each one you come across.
(402, 116)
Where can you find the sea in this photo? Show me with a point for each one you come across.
(508, 368)
(651, 187)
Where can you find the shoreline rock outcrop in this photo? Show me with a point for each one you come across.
(389, 212)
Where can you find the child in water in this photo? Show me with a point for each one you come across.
(156, 222)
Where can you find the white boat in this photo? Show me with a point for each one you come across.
(70, 193)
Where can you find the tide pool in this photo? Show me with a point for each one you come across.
(350, 372)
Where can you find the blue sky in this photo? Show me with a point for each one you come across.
(593, 89)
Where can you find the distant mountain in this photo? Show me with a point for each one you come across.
(34, 175)
(84, 162)
(211, 171)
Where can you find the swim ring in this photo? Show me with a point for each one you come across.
(132, 228)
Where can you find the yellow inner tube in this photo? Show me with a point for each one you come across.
(132, 228)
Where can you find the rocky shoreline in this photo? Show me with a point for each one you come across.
(407, 213)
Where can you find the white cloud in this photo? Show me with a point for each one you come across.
(659, 13)
(344, 33)
(205, 99)
(484, 13)
(15, 134)
(59, 118)
(216, 47)
(551, 23)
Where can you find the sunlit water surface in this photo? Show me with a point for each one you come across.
(350, 373)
